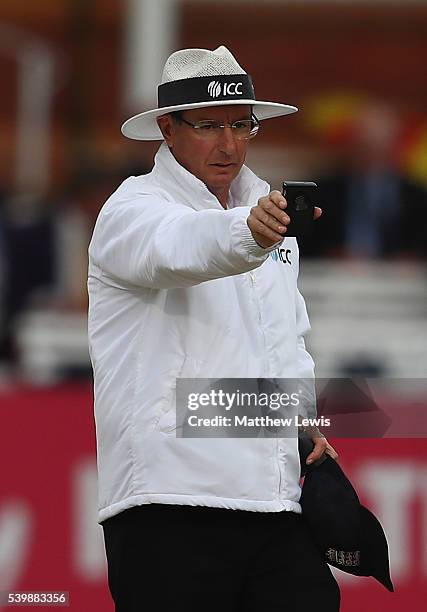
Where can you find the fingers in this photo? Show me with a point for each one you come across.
(270, 211)
(274, 204)
(277, 198)
(320, 445)
(331, 451)
(266, 229)
(317, 212)
(268, 220)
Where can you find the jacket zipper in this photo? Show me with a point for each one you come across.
(253, 282)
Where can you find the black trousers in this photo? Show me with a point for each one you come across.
(168, 557)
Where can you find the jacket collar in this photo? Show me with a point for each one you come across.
(191, 191)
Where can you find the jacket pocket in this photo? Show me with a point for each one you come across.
(166, 420)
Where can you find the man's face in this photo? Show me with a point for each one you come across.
(216, 162)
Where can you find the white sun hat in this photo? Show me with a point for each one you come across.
(194, 78)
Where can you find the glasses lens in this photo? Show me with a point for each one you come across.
(242, 129)
(208, 129)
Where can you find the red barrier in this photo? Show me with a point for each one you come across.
(50, 540)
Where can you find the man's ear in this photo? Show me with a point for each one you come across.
(165, 125)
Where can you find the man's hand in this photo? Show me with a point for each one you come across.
(321, 445)
(267, 220)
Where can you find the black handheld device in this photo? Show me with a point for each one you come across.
(301, 199)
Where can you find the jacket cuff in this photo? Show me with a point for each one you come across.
(242, 236)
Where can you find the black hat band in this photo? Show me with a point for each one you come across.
(205, 89)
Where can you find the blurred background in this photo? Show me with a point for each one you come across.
(72, 72)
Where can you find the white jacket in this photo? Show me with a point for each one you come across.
(179, 288)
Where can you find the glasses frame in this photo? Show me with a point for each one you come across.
(197, 127)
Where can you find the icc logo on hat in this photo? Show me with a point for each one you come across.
(215, 89)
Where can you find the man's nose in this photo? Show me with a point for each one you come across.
(227, 141)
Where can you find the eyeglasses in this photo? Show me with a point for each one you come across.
(243, 129)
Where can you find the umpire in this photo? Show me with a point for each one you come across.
(184, 282)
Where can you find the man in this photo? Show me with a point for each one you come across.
(181, 285)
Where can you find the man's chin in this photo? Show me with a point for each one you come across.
(223, 178)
